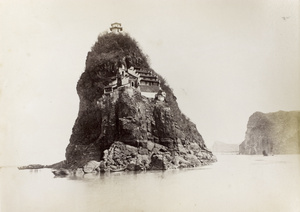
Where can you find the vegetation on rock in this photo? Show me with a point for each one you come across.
(107, 55)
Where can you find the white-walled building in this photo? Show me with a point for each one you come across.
(142, 80)
(116, 27)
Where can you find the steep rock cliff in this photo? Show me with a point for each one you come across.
(126, 129)
(274, 133)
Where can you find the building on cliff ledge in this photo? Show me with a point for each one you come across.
(116, 27)
(149, 83)
(142, 80)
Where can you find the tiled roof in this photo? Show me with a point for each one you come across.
(142, 71)
(147, 88)
(150, 80)
(151, 76)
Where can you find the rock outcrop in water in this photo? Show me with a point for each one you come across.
(272, 133)
(119, 126)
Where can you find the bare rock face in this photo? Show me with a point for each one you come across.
(126, 130)
(272, 133)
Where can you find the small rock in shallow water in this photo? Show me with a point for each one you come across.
(157, 162)
(60, 172)
(79, 172)
(133, 167)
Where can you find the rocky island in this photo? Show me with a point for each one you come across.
(272, 133)
(128, 116)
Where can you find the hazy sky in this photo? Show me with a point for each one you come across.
(225, 59)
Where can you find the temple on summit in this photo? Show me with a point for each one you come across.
(116, 27)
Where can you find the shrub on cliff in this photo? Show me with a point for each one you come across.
(106, 56)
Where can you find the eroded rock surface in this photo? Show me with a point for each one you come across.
(272, 133)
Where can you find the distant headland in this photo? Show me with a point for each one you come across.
(272, 133)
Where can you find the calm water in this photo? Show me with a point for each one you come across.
(235, 183)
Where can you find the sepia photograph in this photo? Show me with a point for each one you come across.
(145, 106)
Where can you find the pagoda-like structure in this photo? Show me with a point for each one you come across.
(116, 27)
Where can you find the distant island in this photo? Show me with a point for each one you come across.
(225, 148)
(128, 115)
(272, 133)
